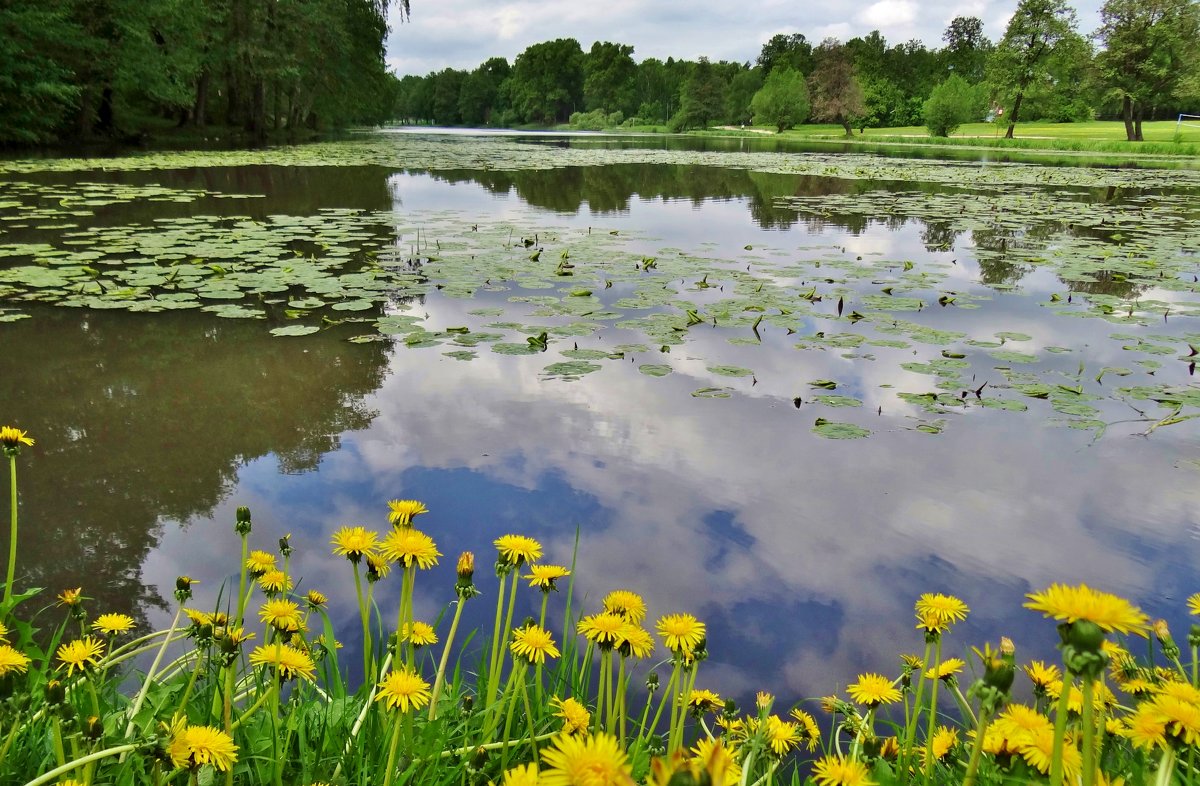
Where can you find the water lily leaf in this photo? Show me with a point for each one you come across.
(655, 369)
(833, 430)
(712, 392)
(569, 370)
(837, 401)
(730, 371)
(295, 330)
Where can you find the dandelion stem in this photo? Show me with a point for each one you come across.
(1089, 731)
(149, 678)
(1060, 729)
(393, 747)
(663, 700)
(529, 718)
(243, 594)
(977, 749)
(12, 530)
(362, 717)
(63, 769)
(910, 731)
(365, 616)
(932, 721)
(493, 675)
(441, 671)
(255, 707)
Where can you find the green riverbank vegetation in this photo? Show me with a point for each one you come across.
(249, 688)
(1140, 65)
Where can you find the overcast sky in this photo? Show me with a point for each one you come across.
(464, 33)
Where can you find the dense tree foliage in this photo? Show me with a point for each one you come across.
(783, 100)
(76, 69)
(951, 104)
(1150, 48)
(1022, 59)
(835, 91)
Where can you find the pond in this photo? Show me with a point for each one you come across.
(785, 390)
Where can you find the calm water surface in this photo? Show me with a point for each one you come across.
(803, 554)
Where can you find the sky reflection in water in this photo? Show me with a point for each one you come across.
(803, 555)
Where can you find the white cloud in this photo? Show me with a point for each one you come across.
(887, 14)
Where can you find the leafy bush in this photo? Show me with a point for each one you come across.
(949, 106)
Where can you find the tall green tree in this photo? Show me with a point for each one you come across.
(546, 84)
(1150, 47)
(610, 78)
(967, 48)
(783, 100)
(786, 51)
(951, 104)
(479, 98)
(702, 98)
(833, 87)
(1022, 57)
(744, 85)
(38, 90)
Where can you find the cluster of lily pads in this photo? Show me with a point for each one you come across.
(1117, 242)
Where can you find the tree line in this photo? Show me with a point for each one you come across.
(100, 69)
(1142, 63)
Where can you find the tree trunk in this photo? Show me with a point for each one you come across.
(1137, 123)
(200, 106)
(105, 119)
(256, 118)
(1012, 119)
(1127, 116)
(846, 125)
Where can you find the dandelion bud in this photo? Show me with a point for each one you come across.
(55, 693)
(652, 681)
(763, 700)
(465, 586)
(1194, 636)
(316, 599)
(285, 546)
(479, 759)
(93, 728)
(1163, 634)
(468, 703)
(466, 566)
(183, 588)
(242, 526)
(1007, 648)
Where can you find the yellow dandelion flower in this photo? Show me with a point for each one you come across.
(112, 624)
(421, 634)
(1193, 603)
(12, 661)
(402, 511)
(944, 739)
(680, 632)
(80, 654)
(911, 661)
(194, 746)
(1180, 690)
(259, 562)
(544, 576)
(782, 735)
(1041, 674)
(575, 716)
(604, 629)
(315, 599)
(946, 609)
(533, 644)
(889, 749)
(705, 701)
(1071, 604)
(585, 761)
(627, 603)
(12, 438)
(635, 640)
(353, 542)
(1145, 728)
(810, 732)
(946, 669)
(716, 761)
(407, 546)
(871, 690)
(839, 771)
(198, 618)
(403, 689)
(377, 567)
(1102, 695)
(70, 597)
(521, 775)
(274, 581)
(1181, 718)
(1037, 751)
(3, 632)
(516, 550)
(290, 662)
(281, 614)
(1138, 686)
